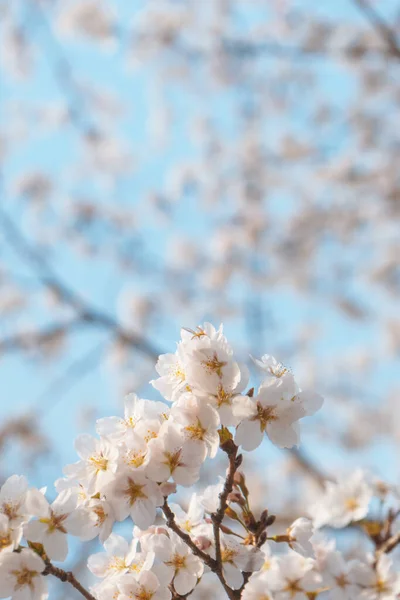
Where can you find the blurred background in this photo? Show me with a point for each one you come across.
(166, 162)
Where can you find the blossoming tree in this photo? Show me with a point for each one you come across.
(143, 459)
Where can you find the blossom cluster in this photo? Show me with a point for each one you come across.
(140, 459)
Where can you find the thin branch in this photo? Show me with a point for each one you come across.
(389, 545)
(67, 577)
(380, 25)
(217, 517)
(61, 385)
(309, 467)
(31, 339)
(49, 278)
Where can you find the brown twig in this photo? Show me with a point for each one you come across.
(214, 564)
(389, 545)
(67, 577)
(380, 26)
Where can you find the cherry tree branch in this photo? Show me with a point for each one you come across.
(67, 577)
(234, 462)
(380, 26)
(390, 544)
(50, 279)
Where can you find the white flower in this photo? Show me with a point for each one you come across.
(209, 368)
(338, 576)
(119, 558)
(273, 369)
(172, 380)
(97, 519)
(135, 495)
(98, 463)
(146, 587)
(9, 538)
(12, 500)
(300, 533)
(53, 523)
(172, 456)
(136, 411)
(199, 423)
(134, 454)
(20, 576)
(192, 519)
(379, 582)
(276, 410)
(181, 566)
(293, 577)
(343, 502)
(237, 559)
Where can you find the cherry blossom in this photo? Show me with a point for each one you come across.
(20, 576)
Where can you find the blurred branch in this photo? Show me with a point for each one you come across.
(31, 339)
(248, 50)
(48, 277)
(309, 467)
(380, 25)
(65, 382)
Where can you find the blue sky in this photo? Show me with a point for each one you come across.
(24, 383)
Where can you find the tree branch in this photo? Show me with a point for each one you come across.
(380, 26)
(49, 278)
(67, 577)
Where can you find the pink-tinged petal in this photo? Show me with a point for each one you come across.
(282, 435)
(36, 504)
(56, 545)
(249, 435)
(109, 426)
(14, 487)
(116, 545)
(35, 531)
(184, 582)
(186, 476)
(233, 576)
(98, 564)
(143, 513)
(85, 446)
(311, 401)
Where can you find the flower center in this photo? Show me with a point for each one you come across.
(381, 586)
(341, 581)
(5, 540)
(143, 594)
(10, 510)
(292, 587)
(352, 504)
(133, 491)
(196, 431)
(23, 578)
(135, 459)
(278, 370)
(100, 514)
(177, 562)
(227, 555)
(214, 365)
(55, 522)
(179, 373)
(130, 423)
(173, 460)
(265, 414)
(223, 397)
(99, 462)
